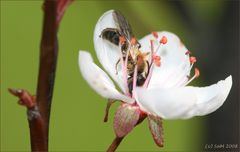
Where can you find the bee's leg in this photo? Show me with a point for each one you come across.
(148, 69)
(116, 65)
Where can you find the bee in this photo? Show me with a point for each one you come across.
(142, 64)
(135, 56)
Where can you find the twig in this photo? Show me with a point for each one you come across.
(48, 59)
(38, 110)
(47, 68)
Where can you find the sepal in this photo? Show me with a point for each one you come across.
(126, 117)
(156, 129)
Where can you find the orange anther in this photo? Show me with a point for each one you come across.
(122, 39)
(157, 60)
(155, 34)
(157, 63)
(163, 40)
(188, 52)
(197, 72)
(192, 59)
(133, 41)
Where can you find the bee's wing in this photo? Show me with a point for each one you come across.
(123, 28)
(123, 25)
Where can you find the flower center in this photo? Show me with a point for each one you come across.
(137, 66)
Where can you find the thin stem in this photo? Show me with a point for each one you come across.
(39, 107)
(48, 61)
(116, 142)
(38, 134)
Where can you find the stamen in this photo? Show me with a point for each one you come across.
(155, 34)
(156, 60)
(181, 83)
(157, 48)
(152, 50)
(188, 52)
(148, 77)
(197, 72)
(196, 75)
(122, 40)
(192, 59)
(163, 40)
(181, 75)
(124, 72)
(135, 77)
(154, 57)
(152, 47)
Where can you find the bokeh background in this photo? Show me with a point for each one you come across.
(210, 29)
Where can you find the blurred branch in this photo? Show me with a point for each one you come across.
(38, 110)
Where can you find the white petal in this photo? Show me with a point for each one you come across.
(175, 65)
(107, 53)
(184, 102)
(209, 98)
(166, 103)
(98, 79)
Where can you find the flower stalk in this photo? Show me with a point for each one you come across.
(116, 142)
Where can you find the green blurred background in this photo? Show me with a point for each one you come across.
(77, 111)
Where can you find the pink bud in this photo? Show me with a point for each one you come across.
(25, 98)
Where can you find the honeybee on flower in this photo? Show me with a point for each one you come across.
(152, 74)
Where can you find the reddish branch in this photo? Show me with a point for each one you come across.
(38, 110)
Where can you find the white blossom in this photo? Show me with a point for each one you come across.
(166, 94)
